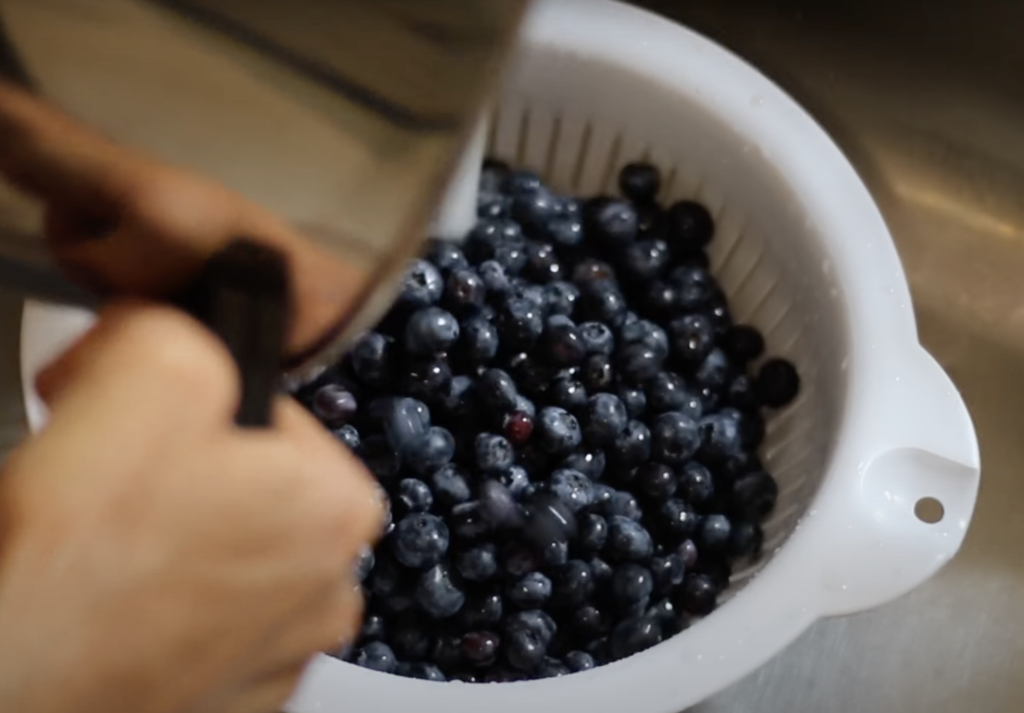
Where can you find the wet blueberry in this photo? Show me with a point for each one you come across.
(437, 595)
(634, 635)
(632, 586)
(589, 462)
(560, 343)
(645, 260)
(742, 395)
(520, 322)
(480, 648)
(371, 359)
(420, 540)
(469, 522)
(713, 534)
(530, 592)
(693, 337)
(497, 390)
(657, 481)
(516, 480)
(698, 595)
(478, 341)
(404, 423)
(777, 383)
(571, 487)
(450, 486)
(377, 656)
(478, 564)
(639, 362)
(524, 650)
(334, 404)
(414, 496)
(634, 399)
(696, 485)
(560, 297)
(374, 628)
(559, 432)
(677, 519)
(597, 338)
(597, 374)
(349, 436)
(578, 661)
(517, 426)
(627, 540)
(422, 285)
(633, 446)
(745, 539)
(552, 668)
(675, 438)
(567, 393)
(564, 232)
(427, 379)
(605, 419)
(534, 209)
(694, 288)
(430, 330)
(464, 290)
(482, 611)
(610, 222)
(593, 533)
(446, 256)
(721, 437)
(668, 572)
(715, 371)
(754, 495)
(493, 453)
(542, 263)
(603, 302)
(433, 450)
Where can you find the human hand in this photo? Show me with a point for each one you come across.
(154, 558)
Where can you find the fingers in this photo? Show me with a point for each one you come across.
(146, 364)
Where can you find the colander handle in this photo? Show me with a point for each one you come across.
(910, 509)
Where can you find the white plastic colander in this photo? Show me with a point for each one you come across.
(804, 255)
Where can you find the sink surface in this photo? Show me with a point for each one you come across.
(926, 99)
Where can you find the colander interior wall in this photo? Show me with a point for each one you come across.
(576, 121)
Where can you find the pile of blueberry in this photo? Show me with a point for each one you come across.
(566, 422)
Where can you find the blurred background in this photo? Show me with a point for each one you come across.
(926, 99)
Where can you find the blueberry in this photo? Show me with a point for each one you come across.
(497, 390)
(695, 484)
(524, 650)
(468, 521)
(603, 302)
(385, 579)
(555, 553)
(677, 519)
(627, 540)
(349, 436)
(373, 629)
(698, 595)
(530, 592)
(433, 450)
(490, 204)
(597, 338)
(487, 237)
(478, 564)
(534, 209)
(713, 534)
(640, 182)
(525, 406)
(560, 343)
(446, 255)
(623, 504)
(420, 540)
(518, 559)
(548, 520)
(572, 487)
(632, 586)
(633, 446)
(450, 486)
(639, 362)
(660, 299)
(721, 437)
(464, 290)
(567, 393)
(754, 495)
(719, 313)
(414, 496)
(334, 404)
(745, 539)
(605, 419)
(589, 462)
(564, 232)
(690, 226)
(520, 322)
(591, 272)
(666, 391)
(560, 297)
(693, 337)
(511, 255)
(675, 438)
(493, 275)
(777, 383)
(588, 622)
(667, 572)
(634, 399)
(743, 343)
(559, 432)
(428, 379)
(517, 427)
(601, 497)
(645, 260)
(657, 481)
(578, 662)
(430, 330)
(552, 668)
(516, 480)
(634, 635)
(498, 506)
(597, 374)
(493, 453)
(377, 656)
(593, 533)
(437, 595)
(371, 359)
(482, 611)
(694, 287)
(409, 640)
(478, 341)
(741, 394)
(534, 621)
(516, 182)
(420, 670)
(610, 222)
(688, 551)
(542, 263)
(422, 285)
(573, 583)
(714, 372)
(403, 421)
(480, 648)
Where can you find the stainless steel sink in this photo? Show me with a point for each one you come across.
(926, 99)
